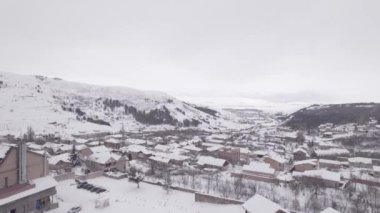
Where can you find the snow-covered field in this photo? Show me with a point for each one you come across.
(126, 197)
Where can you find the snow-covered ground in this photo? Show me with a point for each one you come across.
(126, 197)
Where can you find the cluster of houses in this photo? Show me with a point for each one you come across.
(274, 156)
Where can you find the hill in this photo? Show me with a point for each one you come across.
(311, 117)
(54, 105)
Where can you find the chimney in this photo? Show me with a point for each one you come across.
(22, 171)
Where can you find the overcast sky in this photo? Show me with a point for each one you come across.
(324, 50)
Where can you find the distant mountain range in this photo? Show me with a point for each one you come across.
(55, 105)
(313, 116)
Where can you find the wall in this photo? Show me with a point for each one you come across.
(255, 177)
(213, 199)
(35, 165)
(9, 169)
(304, 167)
(29, 203)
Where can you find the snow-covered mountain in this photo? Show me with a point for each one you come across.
(53, 105)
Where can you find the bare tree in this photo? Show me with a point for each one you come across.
(135, 175)
(225, 188)
(167, 181)
(238, 186)
(29, 135)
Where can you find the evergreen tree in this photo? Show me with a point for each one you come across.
(74, 157)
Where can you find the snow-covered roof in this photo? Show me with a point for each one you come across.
(103, 155)
(308, 161)
(207, 160)
(260, 152)
(94, 143)
(210, 144)
(192, 148)
(322, 173)
(276, 157)
(137, 148)
(326, 161)
(300, 149)
(80, 140)
(160, 159)
(260, 204)
(32, 145)
(333, 151)
(4, 148)
(162, 148)
(259, 167)
(330, 210)
(41, 184)
(135, 141)
(65, 157)
(113, 140)
(360, 160)
(376, 168)
(172, 156)
(213, 148)
(327, 144)
(80, 147)
(245, 151)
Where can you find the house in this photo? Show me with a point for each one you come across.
(323, 178)
(259, 153)
(275, 161)
(376, 171)
(332, 165)
(83, 151)
(211, 162)
(24, 186)
(305, 165)
(333, 153)
(230, 154)
(113, 143)
(300, 154)
(245, 154)
(159, 161)
(103, 159)
(258, 171)
(137, 152)
(260, 204)
(60, 162)
(192, 149)
(330, 210)
(174, 158)
(162, 148)
(56, 148)
(327, 135)
(360, 162)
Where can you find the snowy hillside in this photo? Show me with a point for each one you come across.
(54, 105)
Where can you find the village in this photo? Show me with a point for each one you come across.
(291, 171)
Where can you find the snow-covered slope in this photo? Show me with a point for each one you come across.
(54, 105)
